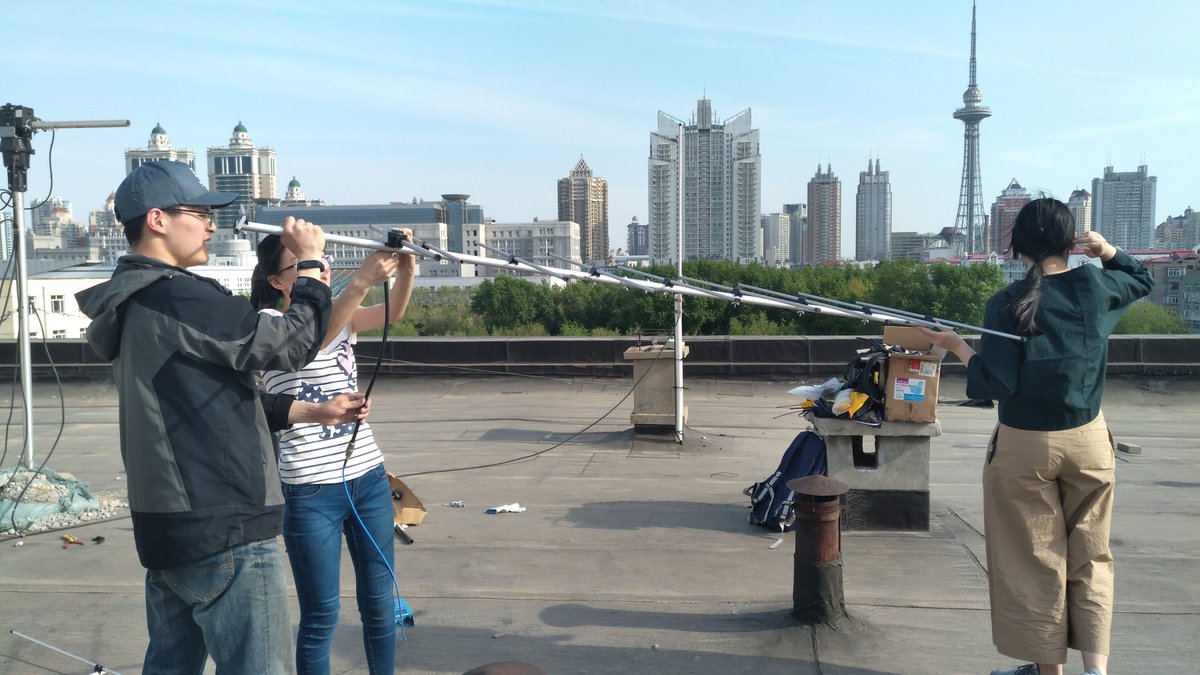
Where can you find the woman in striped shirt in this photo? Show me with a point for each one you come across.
(322, 474)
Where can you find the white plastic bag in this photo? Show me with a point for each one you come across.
(811, 392)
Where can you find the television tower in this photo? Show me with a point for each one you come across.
(970, 199)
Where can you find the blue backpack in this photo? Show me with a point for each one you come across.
(770, 499)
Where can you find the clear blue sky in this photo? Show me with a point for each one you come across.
(373, 100)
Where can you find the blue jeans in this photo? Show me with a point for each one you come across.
(314, 519)
(231, 605)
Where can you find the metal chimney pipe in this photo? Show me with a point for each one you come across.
(817, 595)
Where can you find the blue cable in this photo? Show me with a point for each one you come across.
(403, 614)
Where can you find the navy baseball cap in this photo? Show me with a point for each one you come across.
(161, 185)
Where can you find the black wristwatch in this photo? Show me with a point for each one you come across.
(314, 264)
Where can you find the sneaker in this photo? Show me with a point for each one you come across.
(1093, 671)
(1027, 669)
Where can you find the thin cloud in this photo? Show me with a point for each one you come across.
(650, 14)
(1107, 130)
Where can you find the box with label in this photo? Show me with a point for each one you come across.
(911, 392)
(407, 508)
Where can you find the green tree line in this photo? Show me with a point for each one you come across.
(510, 305)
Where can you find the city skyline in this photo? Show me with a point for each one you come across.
(371, 102)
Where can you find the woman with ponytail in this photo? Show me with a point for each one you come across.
(1049, 473)
(332, 488)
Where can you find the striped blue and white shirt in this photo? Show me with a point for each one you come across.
(314, 453)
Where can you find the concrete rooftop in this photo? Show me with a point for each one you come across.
(634, 555)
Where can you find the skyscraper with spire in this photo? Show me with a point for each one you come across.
(873, 214)
(970, 219)
(583, 199)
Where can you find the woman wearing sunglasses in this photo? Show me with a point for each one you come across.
(330, 489)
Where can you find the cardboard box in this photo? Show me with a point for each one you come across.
(911, 392)
(407, 508)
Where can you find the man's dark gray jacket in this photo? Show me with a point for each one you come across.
(194, 439)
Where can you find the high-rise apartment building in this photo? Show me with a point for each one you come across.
(158, 149)
(797, 226)
(873, 214)
(583, 199)
(105, 233)
(637, 241)
(104, 219)
(58, 228)
(664, 189)
(1123, 207)
(1178, 232)
(1080, 205)
(47, 209)
(1004, 213)
(243, 168)
(823, 238)
(777, 238)
(721, 181)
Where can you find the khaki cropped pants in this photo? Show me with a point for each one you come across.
(1047, 507)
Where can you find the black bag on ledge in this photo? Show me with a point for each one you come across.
(770, 499)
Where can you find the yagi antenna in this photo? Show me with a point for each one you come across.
(653, 283)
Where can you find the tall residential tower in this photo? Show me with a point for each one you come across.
(583, 199)
(1123, 207)
(1004, 214)
(873, 214)
(970, 219)
(777, 238)
(1080, 205)
(638, 240)
(823, 237)
(720, 187)
(797, 226)
(243, 168)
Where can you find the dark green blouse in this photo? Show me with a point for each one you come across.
(1055, 380)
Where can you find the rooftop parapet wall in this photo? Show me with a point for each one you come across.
(711, 356)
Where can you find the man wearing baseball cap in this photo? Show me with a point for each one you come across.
(203, 490)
